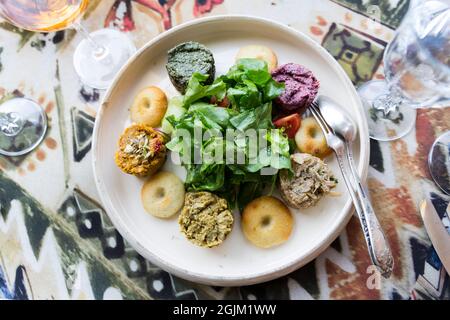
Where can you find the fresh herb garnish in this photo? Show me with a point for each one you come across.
(139, 146)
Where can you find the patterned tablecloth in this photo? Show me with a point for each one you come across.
(56, 241)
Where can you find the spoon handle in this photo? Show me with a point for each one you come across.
(380, 249)
(339, 150)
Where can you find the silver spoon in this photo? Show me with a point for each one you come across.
(343, 125)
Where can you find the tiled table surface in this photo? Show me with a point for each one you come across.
(57, 242)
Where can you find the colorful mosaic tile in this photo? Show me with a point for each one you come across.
(389, 12)
(357, 55)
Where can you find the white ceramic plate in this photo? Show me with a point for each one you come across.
(236, 261)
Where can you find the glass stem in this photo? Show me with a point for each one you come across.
(99, 51)
(11, 123)
(388, 104)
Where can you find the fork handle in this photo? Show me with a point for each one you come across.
(373, 234)
(381, 251)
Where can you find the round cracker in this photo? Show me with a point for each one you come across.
(267, 222)
(310, 139)
(259, 52)
(163, 195)
(149, 106)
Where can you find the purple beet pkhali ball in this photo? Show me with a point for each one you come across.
(300, 86)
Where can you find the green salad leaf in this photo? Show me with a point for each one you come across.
(217, 145)
(257, 118)
(174, 108)
(250, 84)
(220, 116)
(196, 90)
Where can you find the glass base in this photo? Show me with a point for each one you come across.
(385, 128)
(95, 69)
(439, 162)
(23, 124)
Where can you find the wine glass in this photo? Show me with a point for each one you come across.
(417, 72)
(439, 162)
(97, 60)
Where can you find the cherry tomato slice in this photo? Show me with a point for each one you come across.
(290, 124)
(225, 103)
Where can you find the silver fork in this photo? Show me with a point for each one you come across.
(378, 247)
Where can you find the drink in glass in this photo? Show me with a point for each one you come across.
(97, 59)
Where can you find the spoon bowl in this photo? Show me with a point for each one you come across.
(338, 118)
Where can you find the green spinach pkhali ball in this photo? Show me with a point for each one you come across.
(186, 59)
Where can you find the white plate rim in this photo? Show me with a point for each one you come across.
(363, 165)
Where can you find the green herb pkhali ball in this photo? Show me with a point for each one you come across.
(186, 59)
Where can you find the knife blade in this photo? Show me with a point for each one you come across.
(439, 236)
